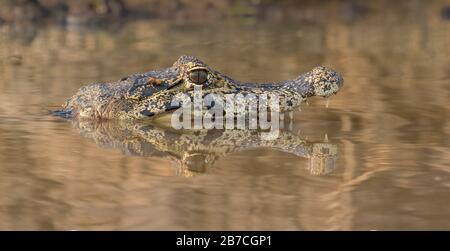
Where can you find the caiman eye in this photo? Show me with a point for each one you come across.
(198, 76)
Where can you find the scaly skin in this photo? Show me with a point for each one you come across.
(145, 95)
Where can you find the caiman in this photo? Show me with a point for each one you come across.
(151, 93)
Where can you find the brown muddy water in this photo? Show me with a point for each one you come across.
(385, 165)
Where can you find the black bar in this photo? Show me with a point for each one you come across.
(224, 240)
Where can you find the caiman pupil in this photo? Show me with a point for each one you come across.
(198, 76)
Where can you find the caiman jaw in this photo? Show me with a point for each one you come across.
(320, 81)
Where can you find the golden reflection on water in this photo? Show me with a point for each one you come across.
(389, 125)
(198, 151)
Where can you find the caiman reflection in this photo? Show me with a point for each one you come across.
(197, 151)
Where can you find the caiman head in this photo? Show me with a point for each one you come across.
(151, 93)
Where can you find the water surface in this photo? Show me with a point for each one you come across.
(389, 125)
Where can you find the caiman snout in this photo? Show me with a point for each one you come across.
(324, 81)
